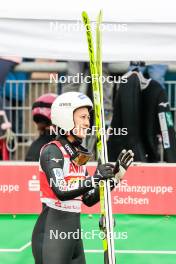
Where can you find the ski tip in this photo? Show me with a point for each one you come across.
(85, 17)
(101, 14)
(84, 13)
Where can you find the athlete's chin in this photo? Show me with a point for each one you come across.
(81, 136)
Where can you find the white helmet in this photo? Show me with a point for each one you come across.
(63, 107)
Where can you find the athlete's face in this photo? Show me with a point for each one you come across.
(82, 122)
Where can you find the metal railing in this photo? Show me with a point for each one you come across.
(19, 112)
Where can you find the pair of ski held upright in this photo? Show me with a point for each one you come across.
(106, 220)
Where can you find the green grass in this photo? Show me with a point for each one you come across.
(133, 232)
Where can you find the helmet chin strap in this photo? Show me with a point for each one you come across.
(77, 141)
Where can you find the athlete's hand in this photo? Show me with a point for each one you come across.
(104, 172)
(124, 160)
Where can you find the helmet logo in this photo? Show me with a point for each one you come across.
(65, 104)
(82, 96)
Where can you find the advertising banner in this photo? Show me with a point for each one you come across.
(145, 189)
